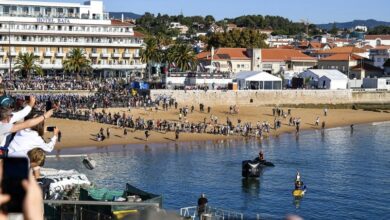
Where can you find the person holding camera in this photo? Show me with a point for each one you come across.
(30, 138)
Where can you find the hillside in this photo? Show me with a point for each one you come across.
(371, 23)
(118, 15)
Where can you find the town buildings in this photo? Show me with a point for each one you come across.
(272, 60)
(50, 30)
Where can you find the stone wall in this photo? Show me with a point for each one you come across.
(274, 97)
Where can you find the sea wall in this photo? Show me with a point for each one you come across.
(280, 97)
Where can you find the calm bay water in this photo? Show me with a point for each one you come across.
(347, 174)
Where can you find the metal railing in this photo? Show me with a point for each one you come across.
(211, 214)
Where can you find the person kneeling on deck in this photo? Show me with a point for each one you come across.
(202, 204)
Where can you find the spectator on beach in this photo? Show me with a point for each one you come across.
(108, 131)
(177, 132)
(147, 135)
(208, 110)
(125, 132)
(323, 125)
(317, 123)
(325, 111)
(30, 138)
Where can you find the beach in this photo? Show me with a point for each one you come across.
(77, 134)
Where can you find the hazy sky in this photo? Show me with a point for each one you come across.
(317, 11)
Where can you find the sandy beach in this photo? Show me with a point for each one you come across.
(82, 134)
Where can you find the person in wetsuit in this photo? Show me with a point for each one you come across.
(202, 203)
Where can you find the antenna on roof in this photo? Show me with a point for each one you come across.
(307, 23)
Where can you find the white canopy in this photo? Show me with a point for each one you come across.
(258, 81)
(256, 76)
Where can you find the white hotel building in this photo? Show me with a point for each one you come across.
(51, 29)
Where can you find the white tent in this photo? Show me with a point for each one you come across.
(330, 74)
(333, 81)
(258, 80)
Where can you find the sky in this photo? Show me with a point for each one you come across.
(316, 11)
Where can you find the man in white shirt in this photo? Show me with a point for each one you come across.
(5, 103)
(7, 128)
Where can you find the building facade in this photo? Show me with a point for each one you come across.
(51, 30)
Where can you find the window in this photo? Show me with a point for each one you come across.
(267, 66)
(238, 65)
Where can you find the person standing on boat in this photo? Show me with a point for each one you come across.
(202, 204)
(298, 182)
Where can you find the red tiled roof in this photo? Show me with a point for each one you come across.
(366, 66)
(338, 50)
(225, 54)
(116, 22)
(138, 34)
(342, 57)
(374, 37)
(284, 55)
(272, 54)
(316, 45)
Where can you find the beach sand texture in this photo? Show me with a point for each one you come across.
(82, 134)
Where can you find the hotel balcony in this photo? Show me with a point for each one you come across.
(136, 56)
(94, 55)
(48, 54)
(116, 55)
(3, 53)
(105, 55)
(126, 55)
(60, 54)
(14, 53)
(37, 54)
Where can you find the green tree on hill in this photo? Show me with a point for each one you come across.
(244, 39)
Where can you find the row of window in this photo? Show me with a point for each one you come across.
(51, 27)
(59, 39)
(94, 62)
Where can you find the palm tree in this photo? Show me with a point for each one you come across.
(77, 63)
(27, 63)
(183, 56)
(151, 54)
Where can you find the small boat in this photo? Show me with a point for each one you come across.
(299, 193)
(300, 188)
(251, 169)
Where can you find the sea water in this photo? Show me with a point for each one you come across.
(347, 173)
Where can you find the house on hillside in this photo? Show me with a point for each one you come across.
(176, 25)
(380, 54)
(363, 70)
(377, 40)
(342, 62)
(342, 50)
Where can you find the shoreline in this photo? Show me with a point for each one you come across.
(78, 134)
(118, 148)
